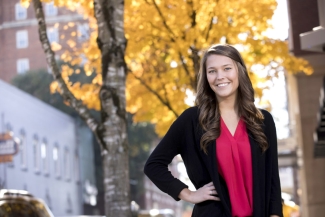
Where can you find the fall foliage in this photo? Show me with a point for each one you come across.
(166, 39)
(165, 42)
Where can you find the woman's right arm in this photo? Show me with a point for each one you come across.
(156, 167)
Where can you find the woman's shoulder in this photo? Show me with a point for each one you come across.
(267, 115)
(190, 113)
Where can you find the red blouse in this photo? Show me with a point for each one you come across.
(235, 166)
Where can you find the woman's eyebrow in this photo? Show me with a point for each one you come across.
(212, 67)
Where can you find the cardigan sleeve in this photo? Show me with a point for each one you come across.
(156, 167)
(275, 200)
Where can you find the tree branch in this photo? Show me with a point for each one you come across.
(209, 29)
(192, 81)
(164, 21)
(193, 13)
(81, 109)
(196, 63)
(165, 102)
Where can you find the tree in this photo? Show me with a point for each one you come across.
(140, 135)
(165, 44)
(110, 132)
(166, 40)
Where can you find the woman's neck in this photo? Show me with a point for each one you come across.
(228, 107)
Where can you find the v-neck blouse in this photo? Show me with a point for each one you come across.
(235, 166)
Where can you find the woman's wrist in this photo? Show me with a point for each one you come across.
(185, 195)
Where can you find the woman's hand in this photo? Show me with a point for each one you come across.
(207, 192)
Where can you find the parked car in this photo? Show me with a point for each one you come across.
(19, 203)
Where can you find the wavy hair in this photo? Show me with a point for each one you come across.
(206, 100)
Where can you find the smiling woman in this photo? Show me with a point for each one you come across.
(229, 147)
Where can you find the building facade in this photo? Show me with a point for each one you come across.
(47, 164)
(19, 40)
(307, 40)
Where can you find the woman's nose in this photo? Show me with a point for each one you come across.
(219, 75)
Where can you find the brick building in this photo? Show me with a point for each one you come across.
(20, 49)
(306, 93)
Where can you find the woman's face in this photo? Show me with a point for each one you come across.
(222, 75)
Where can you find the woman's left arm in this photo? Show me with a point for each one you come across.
(275, 200)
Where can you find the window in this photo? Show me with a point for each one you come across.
(36, 154)
(50, 9)
(56, 161)
(69, 204)
(76, 167)
(66, 161)
(22, 39)
(22, 66)
(53, 34)
(23, 150)
(48, 198)
(83, 32)
(20, 12)
(8, 129)
(44, 157)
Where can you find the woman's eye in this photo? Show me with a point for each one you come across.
(227, 69)
(212, 71)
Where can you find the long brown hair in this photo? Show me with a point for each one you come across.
(206, 100)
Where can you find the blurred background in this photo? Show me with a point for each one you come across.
(49, 151)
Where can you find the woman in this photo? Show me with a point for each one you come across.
(229, 147)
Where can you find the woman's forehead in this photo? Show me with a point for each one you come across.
(215, 60)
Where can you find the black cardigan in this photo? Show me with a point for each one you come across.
(183, 138)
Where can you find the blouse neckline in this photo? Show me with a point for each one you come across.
(237, 130)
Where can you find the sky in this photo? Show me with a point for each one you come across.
(280, 21)
(275, 95)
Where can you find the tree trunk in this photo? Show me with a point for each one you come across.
(111, 132)
(111, 42)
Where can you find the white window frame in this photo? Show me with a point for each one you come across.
(20, 12)
(21, 39)
(67, 165)
(36, 154)
(23, 150)
(44, 157)
(51, 9)
(53, 34)
(56, 161)
(76, 167)
(22, 65)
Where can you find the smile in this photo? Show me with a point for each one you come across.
(223, 84)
